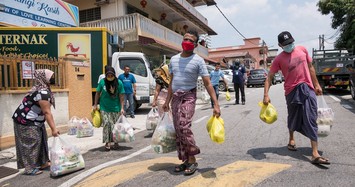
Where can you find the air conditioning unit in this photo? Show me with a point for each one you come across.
(101, 2)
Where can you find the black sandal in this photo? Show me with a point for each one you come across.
(181, 167)
(191, 168)
(291, 147)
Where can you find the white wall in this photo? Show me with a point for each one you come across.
(9, 103)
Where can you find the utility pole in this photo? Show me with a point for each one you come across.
(321, 42)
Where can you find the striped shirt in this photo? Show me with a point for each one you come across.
(186, 71)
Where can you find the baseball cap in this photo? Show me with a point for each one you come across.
(285, 38)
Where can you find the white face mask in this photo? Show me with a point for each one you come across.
(289, 48)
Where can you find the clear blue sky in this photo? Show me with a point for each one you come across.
(266, 19)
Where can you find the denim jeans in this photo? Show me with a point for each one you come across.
(215, 87)
(129, 98)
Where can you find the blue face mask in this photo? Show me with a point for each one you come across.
(289, 48)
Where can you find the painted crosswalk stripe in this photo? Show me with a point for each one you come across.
(240, 173)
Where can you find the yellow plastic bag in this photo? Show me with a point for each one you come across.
(96, 118)
(268, 113)
(215, 128)
(228, 96)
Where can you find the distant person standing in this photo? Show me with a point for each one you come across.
(184, 70)
(129, 84)
(239, 81)
(215, 75)
(301, 87)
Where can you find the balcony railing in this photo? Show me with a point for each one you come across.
(130, 26)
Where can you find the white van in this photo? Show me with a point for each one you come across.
(139, 66)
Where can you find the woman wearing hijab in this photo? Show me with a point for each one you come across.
(110, 92)
(161, 88)
(29, 128)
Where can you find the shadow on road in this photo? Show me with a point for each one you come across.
(302, 153)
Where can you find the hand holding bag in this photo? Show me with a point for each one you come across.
(96, 118)
(268, 113)
(215, 128)
(164, 136)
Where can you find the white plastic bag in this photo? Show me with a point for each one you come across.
(65, 158)
(205, 97)
(325, 117)
(325, 113)
(152, 119)
(85, 128)
(73, 125)
(122, 131)
(164, 136)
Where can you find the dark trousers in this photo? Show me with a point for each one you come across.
(237, 87)
(216, 90)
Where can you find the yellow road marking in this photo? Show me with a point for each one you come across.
(241, 173)
(115, 175)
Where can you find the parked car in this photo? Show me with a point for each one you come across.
(257, 77)
(227, 75)
(278, 78)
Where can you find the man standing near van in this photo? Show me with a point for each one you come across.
(184, 70)
(129, 84)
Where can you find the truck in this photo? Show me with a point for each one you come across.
(92, 48)
(332, 67)
(140, 68)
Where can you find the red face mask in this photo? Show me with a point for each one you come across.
(187, 46)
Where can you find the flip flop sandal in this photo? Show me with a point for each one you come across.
(191, 168)
(116, 146)
(320, 160)
(45, 166)
(291, 147)
(33, 172)
(181, 167)
(107, 147)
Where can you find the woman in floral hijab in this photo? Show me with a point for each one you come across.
(29, 128)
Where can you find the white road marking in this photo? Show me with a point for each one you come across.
(347, 106)
(335, 98)
(199, 120)
(89, 172)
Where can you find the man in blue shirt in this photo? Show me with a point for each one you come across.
(238, 80)
(214, 76)
(129, 84)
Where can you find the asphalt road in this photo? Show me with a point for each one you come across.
(253, 154)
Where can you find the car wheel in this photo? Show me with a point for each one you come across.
(352, 91)
(222, 86)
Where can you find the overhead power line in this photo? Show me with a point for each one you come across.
(230, 22)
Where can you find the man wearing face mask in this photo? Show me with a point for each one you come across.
(238, 81)
(184, 70)
(301, 87)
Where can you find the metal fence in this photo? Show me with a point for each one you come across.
(13, 74)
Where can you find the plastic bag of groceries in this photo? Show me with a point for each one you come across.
(325, 117)
(164, 136)
(65, 158)
(122, 131)
(215, 128)
(325, 113)
(268, 113)
(228, 96)
(96, 118)
(152, 119)
(85, 128)
(73, 125)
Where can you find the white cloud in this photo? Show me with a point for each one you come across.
(266, 19)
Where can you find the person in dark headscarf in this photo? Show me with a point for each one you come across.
(110, 93)
(29, 128)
